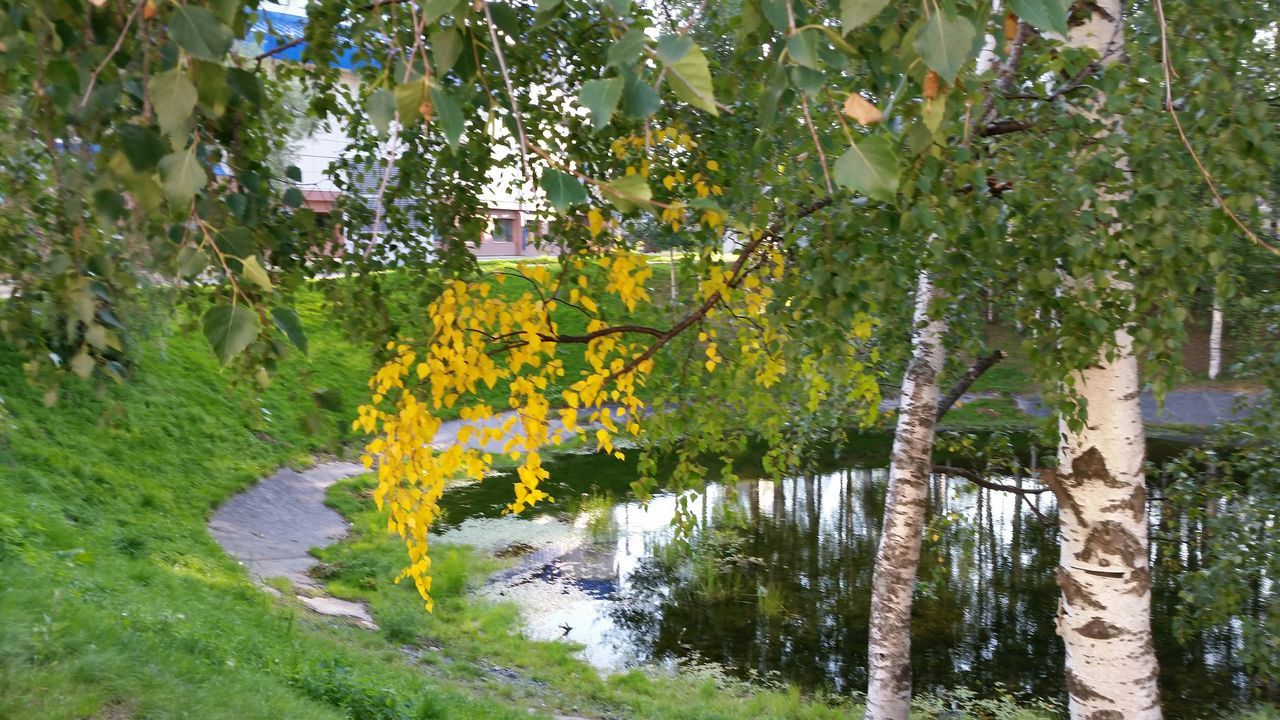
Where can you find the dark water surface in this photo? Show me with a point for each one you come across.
(777, 581)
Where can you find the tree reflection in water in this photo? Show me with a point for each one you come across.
(776, 578)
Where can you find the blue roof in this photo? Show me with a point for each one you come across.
(279, 28)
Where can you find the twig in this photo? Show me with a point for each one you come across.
(511, 91)
(822, 156)
(93, 79)
(980, 366)
(1167, 64)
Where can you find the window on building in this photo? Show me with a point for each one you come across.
(504, 230)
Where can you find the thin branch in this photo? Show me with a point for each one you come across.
(1167, 63)
(93, 79)
(279, 49)
(975, 371)
(511, 91)
(822, 156)
(977, 479)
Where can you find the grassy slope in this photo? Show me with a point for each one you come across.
(117, 603)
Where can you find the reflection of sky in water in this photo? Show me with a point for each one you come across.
(983, 615)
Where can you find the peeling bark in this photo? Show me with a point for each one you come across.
(898, 555)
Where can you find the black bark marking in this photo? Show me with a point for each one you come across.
(1109, 539)
(1090, 465)
(1081, 691)
(1100, 629)
(1135, 504)
(1074, 593)
(1106, 715)
(1050, 477)
(1140, 581)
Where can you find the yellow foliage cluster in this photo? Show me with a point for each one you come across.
(480, 340)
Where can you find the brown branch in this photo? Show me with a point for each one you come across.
(1003, 127)
(93, 78)
(977, 479)
(980, 366)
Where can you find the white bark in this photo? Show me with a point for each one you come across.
(1104, 614)
(1215, 339)
(898, 555)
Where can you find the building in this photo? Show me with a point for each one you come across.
(513, 223)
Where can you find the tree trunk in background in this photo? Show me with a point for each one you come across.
(671, 257)
(898, 556)
(1104, 613)
(1215, 339)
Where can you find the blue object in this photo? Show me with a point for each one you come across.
(279, 29)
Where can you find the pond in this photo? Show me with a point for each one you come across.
(775, 584)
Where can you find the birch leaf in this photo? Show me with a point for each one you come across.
(871, 168)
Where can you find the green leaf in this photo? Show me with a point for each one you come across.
(254, 272)
(601, 98)
(230, 329)
(446, 46)
(629, 192)
(382, 109)
(294, 173)
(449, 115)
(212, 89)
(855, 13)
(199, 32)
(504, 16)
(286, 321)
(192, 261)
(619, 7)
(690, 78)
(945, 43)
(183, 176)
(174, 99)
(673, 47)
(626, 50)
(563, 190)
(437, 8)
(409, 98)
(775, 11)
(293, 197)
(245, 85)
(803, 48)
(639, 100)
(870, 167)
(141, 145)
(1043, 15)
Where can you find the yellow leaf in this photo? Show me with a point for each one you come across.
(595, 222)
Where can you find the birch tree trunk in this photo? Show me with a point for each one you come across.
(898, 555)
(1215, 339)
(1104, 613)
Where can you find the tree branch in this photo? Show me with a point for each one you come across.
(980, 366)
(976, 478)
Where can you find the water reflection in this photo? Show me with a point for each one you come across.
(777, 582)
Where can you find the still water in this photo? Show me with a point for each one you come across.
(776, 582)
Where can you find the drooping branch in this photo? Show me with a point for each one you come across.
(975, 371)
